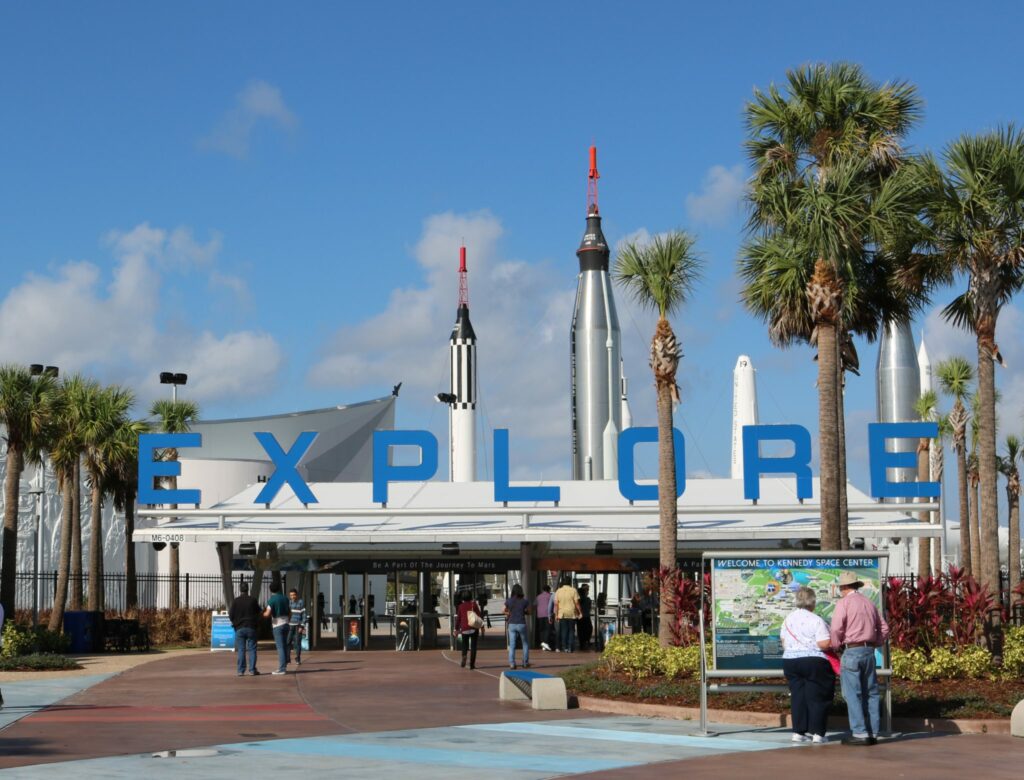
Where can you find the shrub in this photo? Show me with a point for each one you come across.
(909, 664)
(1013, 652)
(944, 663)
(51, 641)
(637, 655)
(681, 661)
(17, 640)
(46, 662)
(189, 627)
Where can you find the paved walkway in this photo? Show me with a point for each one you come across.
(386, 714)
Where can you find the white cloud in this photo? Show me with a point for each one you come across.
(82, 319)
(257, 102)
(719, 199)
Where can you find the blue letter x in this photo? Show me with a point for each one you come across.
(284, 467)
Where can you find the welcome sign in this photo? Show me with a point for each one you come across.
(798, 464)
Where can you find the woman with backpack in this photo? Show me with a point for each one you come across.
(469, 624)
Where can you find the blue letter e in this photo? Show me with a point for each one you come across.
(880, 460)
(149, 469)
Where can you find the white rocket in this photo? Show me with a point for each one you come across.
(924, 367)
(462, 399)
(744, 409)
(626, 414)
(594, 349)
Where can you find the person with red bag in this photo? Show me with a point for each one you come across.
(812, 682)
(469, 623)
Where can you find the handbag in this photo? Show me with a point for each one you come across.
(474, 620)
(833, 661)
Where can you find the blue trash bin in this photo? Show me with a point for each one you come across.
(85, 630)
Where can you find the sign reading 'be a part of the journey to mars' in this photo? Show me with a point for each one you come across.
(752, 596)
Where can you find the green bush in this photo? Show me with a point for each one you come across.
(18, 640)
(47, 641)
(47, 662)
(1013, 652)
(970, 662)
(640, 656)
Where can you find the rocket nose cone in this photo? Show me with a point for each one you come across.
(743, 362)
(593, 252)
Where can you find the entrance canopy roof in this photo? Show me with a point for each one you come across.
(423, 515)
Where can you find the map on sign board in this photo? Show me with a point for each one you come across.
(752, 596)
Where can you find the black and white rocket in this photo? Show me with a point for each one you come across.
(462, 403)
(598, 389)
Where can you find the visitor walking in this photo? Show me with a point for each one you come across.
(517, 607)
(812, 684)
(567, 610)
(280, 614)
(321, 606)
(858, 628)
(543, 621)
(469, 627)
(245, 613)
(585, 625)
(296, 625)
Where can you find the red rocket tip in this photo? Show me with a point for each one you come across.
(592, 173)
(462, 259)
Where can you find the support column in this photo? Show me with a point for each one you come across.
(529, 585)
(224, 556)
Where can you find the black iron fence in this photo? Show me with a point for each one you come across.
(201, 591)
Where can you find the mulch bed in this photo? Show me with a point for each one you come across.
(985, 699)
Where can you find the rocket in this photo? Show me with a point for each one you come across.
(462, 398)
(924, 368)
(898, 385)
(744, 409)
(595, 355)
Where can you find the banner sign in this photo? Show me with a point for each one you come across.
(222, 633)
(751, 596)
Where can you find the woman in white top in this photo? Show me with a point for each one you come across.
(812, 684)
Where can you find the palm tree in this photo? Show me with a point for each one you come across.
(65, 448)
(925, 409)
(25, 407)
(107, 410)
(121, 482)
(661, 276)
(974, 211)
(955, 376)
(938, 467)
(174, 417)
(826, 193)
(1008, 467)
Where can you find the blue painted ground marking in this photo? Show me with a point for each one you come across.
(356, 748)
(648, 737)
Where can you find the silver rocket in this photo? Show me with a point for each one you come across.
(898, 381)
(595, 353)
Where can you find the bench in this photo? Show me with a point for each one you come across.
(123, 635)
(544, 691)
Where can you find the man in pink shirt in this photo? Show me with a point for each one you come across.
(542, 618)
(857, 629)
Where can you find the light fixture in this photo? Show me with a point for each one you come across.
(450, 548)
(603, 548)
(158, 546)
(171, 378)
(445, 398)
(247, 548)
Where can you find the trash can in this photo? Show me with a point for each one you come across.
(85, 630)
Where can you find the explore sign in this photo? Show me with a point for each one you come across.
(798, 464)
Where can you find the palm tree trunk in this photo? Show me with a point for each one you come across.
(131, 586)
(9, 561)
(924, 552)
(828, 436)
(975, 541)
(937, 471)
(175, 561)
(76, 539)
(667, 510)
(96, 547)
(965, 521)
(987, 467)
(60, 598)
(844, 511)
(1013, 559)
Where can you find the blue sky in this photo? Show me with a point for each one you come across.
(272, 199)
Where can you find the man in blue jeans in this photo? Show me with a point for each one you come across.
(567, 610)
(245, 613)
(280, 613)
(858, 628)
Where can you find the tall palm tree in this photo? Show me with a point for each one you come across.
(661, 275)
(826, 192)
(925, 409)
(122, 483)
(25, 407)
(974, 210)
(107, 410)
(174, 416)
(938, 467)
(65, 446)
(955, 376)
(1008, 467)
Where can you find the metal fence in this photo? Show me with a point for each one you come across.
(201, 591)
